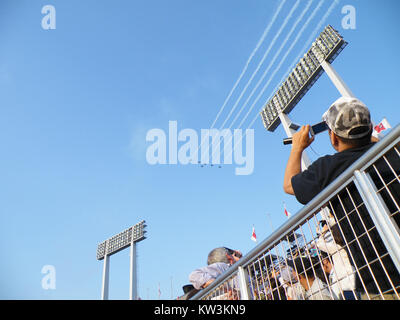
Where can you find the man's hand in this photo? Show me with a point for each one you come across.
(207, 283)
(232, 258)
(300, 141)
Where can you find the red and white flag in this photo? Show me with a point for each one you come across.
(382, 126)
(253, 235)
(287, 213)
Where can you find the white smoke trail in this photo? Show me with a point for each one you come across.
(306, 45)
(264, 35)
(263, 59)
(274, 59)
(284, 59)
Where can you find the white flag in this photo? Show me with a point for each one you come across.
(287, 213)
(380, 127)
(253, 235)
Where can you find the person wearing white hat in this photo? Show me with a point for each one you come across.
(350, 134)
(350, 130)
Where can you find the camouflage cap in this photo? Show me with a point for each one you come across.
(348, 118)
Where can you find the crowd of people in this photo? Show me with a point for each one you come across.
(321, 270)
(341, 261)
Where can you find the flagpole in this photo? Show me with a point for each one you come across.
(171, 289)
(270, 222)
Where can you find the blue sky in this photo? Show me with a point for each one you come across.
(76, 103)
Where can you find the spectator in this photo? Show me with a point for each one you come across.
(288, 279)
(223, 254)
(203, 277)
(340, 270)
(189, 291)
(350, 132)
(315, 288)
(350, 129)
(274, 289)
(218, 261)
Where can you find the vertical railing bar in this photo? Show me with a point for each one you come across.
(397, 151)
(345, 240)
(272, 274)
(314, 268)
(264, 277)
(287, 266)
(338, 249)
(357, 237)
(244, 293)
(319, 256)
(251, 288)
(253, 279)
(261, 288)
(276, 281)
(280, 270)
(309, 255)
(391, 168)
(301, 260)
(379, 216)
(261, 272)
(370, 240)
(260, 281)
(385, 186)
(269, 276)
(297, 272)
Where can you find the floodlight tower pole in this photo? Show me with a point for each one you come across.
(106, 276)
(118, 242)
(289, 129)
(336, 79)
(133, 273)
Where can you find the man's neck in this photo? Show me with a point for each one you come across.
(343, 147)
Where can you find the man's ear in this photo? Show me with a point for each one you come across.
(334, 140)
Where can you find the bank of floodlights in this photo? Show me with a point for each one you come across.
(121, 240)
(325, 48)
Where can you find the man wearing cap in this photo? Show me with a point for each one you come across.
(350, 130)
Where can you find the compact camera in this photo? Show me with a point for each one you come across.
(315, 129)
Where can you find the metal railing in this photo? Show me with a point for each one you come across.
(344, 244)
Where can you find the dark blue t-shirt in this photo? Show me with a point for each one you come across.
(319, 175)
(307, 184)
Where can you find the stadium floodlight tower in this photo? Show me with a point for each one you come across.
(120, 241)
(307, 71)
